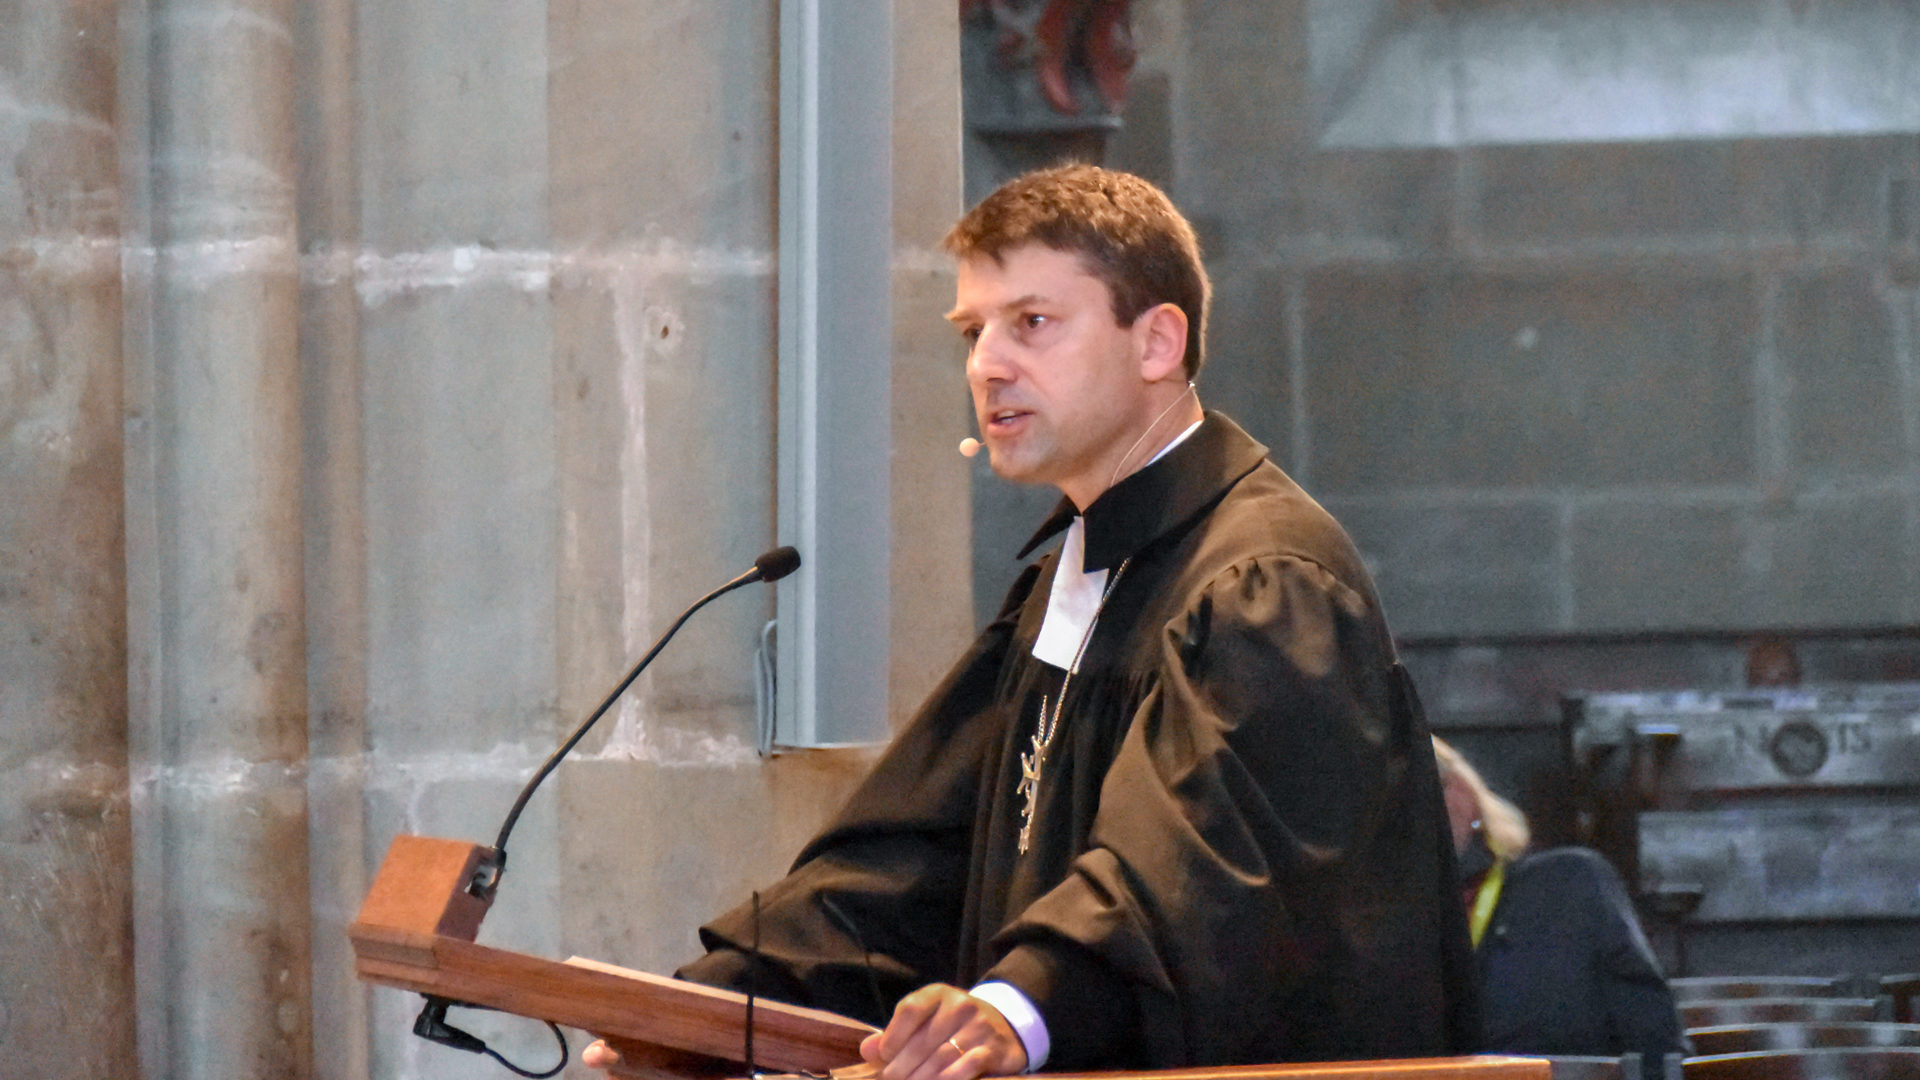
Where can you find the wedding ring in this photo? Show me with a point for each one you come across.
(956, 1048)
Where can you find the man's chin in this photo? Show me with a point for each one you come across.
(1009, 468)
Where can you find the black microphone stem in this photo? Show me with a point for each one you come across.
(481, 885)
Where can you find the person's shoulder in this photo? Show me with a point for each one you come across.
(1267, 518)
(1565, 865)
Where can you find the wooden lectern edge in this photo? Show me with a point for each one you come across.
(680, 988)
(391, 943)
(676, 1030)
(649, 1009)
(1466, 1067)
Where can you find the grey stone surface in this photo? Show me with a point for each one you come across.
(1655, 565)
(66, 1001)
(1827, 191)
(1252, 345)
(640, 889)
(691, 157)
(453, 139)
(1247, 87)
(1844, 402)
(1823, 561)
(1545, 72)
(1462, 568)
(932, 588)
(218, 640)
(1831, 561)
(459, 512)
(1368, 205)
(1613, 193)
(1501, 381)
(341, 850)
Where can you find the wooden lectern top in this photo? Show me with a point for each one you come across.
(415, 932)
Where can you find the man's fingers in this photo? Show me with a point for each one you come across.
(911, 1045)
(944, 1033)
(598, 1055)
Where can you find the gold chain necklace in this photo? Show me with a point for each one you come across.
(1034, 761)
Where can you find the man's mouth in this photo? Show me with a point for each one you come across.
(1005, 420)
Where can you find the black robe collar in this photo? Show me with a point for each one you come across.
(1143, 507)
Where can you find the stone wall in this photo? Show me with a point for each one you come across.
(1596, 325)
(66, 1002)
(379, 380)
(1584, 320)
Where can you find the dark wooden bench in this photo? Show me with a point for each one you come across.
(1721, 987)
(1856, 1063)
(1901, 990)
(1745, 1038)
(1774, 1010)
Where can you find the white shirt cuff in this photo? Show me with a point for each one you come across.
(1026, 1020)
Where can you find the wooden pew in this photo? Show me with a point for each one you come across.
(1721, 987)
(1773, 1010)
(1746, 1038)
(1855, 1063)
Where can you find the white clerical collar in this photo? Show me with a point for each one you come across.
(1075, 600)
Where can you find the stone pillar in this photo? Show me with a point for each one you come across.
(215, 553)
(328, 209)
(65, 908)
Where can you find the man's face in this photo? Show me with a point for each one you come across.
(1057, 383)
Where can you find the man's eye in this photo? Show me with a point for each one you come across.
(971, 334)
(1031, 321)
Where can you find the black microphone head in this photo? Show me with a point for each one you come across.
(777, 563)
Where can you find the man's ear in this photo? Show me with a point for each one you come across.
(1162, 333)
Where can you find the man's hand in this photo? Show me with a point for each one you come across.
(598, 1055)
(941, 1032)
(631, 1059)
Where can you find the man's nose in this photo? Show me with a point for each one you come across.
(988, 360)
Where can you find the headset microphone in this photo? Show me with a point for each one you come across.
(969, 446)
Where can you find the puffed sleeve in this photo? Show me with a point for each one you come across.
(1261, 882)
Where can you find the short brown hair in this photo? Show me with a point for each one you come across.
(1125, 230)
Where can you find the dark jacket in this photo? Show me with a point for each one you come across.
(1564, 967)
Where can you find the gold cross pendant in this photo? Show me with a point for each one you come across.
(1030, 766)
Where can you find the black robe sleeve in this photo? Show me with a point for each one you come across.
(1245, 895)
(872, 907)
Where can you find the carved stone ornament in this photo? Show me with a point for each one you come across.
(1032, 66)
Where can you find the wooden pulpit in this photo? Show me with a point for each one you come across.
(416, 932)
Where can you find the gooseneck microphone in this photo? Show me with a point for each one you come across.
(769, 567)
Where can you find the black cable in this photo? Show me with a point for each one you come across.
(866, 954)
(753, 983)
(432, 1026)
(555, 1071)
(771, 566)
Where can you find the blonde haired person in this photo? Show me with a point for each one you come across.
(1562, 964)
(1472, 806)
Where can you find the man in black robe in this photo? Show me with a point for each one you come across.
(1177, 804)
